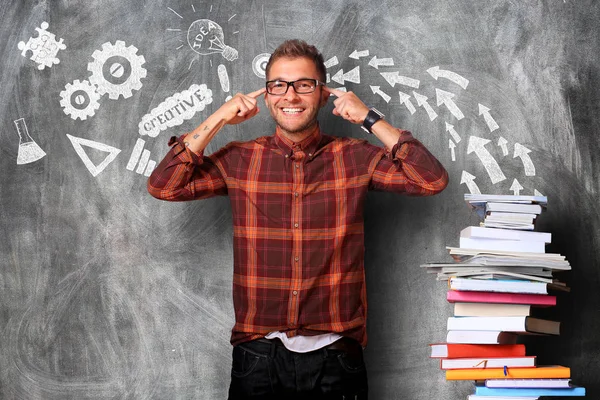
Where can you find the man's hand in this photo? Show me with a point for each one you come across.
(240, 108)
(348, 106)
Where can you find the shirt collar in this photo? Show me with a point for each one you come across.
(308, 145)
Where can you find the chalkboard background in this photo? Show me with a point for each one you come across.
(106, 292)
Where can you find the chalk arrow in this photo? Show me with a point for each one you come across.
(331, 62)
(536, 193)
(453, 133)
(358, 54)
(469, 180)
(350, 76)
(502, 143)
(405, 99)
(376, 62)
(477, 145)
(516, 187)
(492, 125)
(452, 146)
(394, 77)
(445, 98)
(436, 73)
(378, 91)
(523, 152)
(422, 102)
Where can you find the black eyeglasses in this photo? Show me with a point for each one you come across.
(301, 86)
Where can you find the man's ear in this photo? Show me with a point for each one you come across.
(324, 98)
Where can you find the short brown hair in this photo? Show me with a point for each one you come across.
(296, 48)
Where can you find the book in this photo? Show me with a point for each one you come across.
(476, 397)
(508, 225)
(456, 350)
(521, 246)
(572, 391)
(505, 234)
(481, 337)
(506, 216)
(513, 207)
(541, 300)
(505, 324)
(491, 310)
(504, 285)
(478, 197)
(448, 268)
(528, 383)
(498, 257)
(487, 362)
(551, 371)
(497, 275)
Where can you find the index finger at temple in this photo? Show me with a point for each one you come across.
(334, 92)
(257, 93)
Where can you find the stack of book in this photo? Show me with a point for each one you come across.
(500, 279)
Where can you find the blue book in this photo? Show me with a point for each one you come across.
(508, 392)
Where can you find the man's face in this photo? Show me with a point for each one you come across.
(295, 113)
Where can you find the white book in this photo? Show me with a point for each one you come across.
(477, 197)
(481, 337)
(514, 207)
(503, 245)
(487, 362)
(504, 324)
(491, 310)
(508, 225)
(475, 232)
(529, 383)
(502, 285)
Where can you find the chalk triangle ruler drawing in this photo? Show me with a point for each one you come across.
(78, 144)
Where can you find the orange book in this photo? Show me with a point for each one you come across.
(459, 350)
(543, 372)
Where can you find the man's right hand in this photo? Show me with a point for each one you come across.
(240, 108)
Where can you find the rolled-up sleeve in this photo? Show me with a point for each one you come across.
(408, 168)
(185, 175)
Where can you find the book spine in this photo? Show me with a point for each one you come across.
(496, 297)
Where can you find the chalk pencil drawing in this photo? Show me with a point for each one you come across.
(174, 110)
(394, 77)
(405, 99)
(436, 73)
(29, 150)
(489, 120)
(259, 65)
(502, 143)
(117, 69)
(332, 62)
(358, 54)
(206, 37)
(422, 102)
(80, 99)
(516, 187)
(445, 98)
(78, 144)
(450, 129)
(377, 62)
(523, 153)
(383, 95)
(452, 146)
(223, 77)
(44, 48)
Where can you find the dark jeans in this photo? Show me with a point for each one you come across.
(267, 370)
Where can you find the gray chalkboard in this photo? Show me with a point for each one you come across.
(106, 292)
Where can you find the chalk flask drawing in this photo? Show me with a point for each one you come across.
(29, 150)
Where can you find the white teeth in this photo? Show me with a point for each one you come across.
(291, 110)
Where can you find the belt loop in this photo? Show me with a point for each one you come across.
(273, 349)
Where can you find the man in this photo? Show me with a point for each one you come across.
(297, 200)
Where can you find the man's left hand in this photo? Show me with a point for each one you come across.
(348, 106)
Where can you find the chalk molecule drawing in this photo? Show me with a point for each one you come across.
(44, 48)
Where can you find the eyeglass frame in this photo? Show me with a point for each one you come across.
(291, 83)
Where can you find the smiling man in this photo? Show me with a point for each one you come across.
(297, 199)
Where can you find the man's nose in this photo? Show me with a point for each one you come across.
(291, 94)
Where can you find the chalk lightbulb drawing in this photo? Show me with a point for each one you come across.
(206, 37)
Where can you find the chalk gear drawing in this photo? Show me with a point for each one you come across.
(117, 70)
(80, 99)
(44, 48)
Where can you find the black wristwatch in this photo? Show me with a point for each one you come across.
(373, 116)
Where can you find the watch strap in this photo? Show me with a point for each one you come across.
(373, 116)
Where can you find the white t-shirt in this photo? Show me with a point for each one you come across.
(304, 344)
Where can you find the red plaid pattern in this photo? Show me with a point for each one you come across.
(298, 222)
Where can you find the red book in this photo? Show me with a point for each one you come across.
(458, 350)
(541, 300)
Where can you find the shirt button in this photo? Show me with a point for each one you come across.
(296, 194)
(295, 292)
(297, 166)
(296, 225)
(287, 156)
(296, 258)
